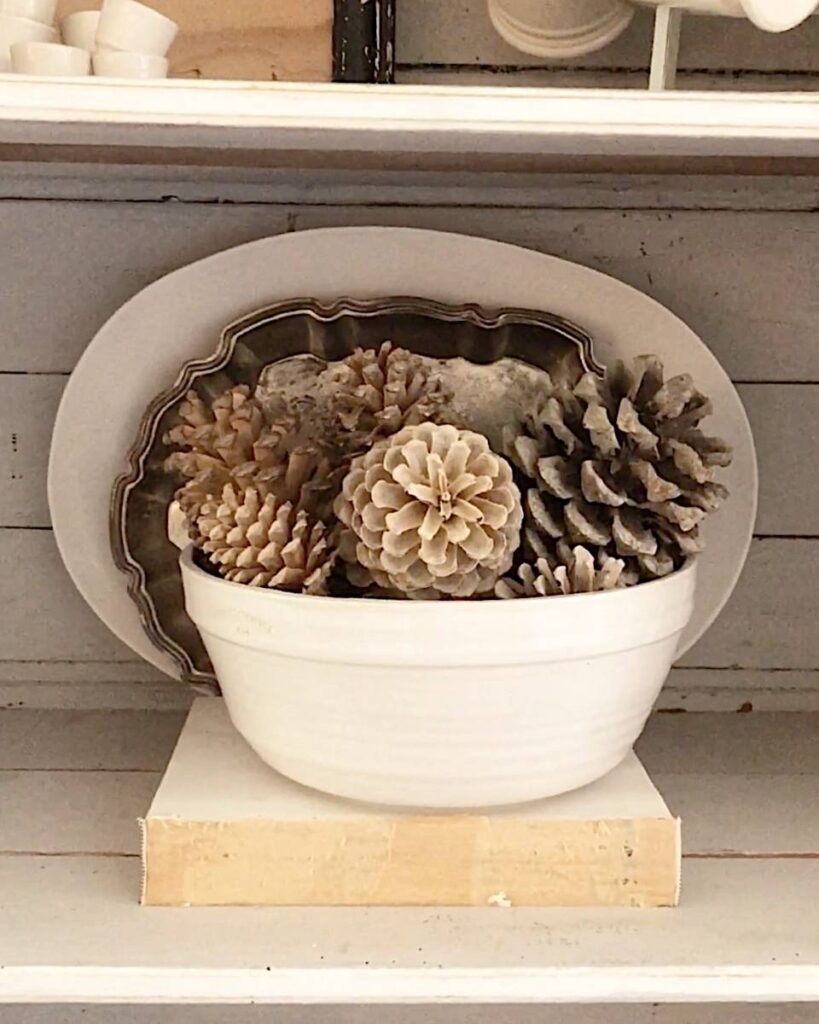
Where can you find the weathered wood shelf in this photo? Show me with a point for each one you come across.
(212, 123)
(71, 929)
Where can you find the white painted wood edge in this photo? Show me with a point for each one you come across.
(402, 117)
(758, 984)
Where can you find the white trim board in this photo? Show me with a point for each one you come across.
(746, 932)
(406, 119)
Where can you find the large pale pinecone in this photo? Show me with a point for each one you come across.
(572, 571)
(265, 542)
(619, 464)
(431, 509)
(376, 392)
(230, 443)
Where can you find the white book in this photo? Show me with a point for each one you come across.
(226, 829)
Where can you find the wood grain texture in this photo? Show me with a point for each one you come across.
(288, 41)
(768, 745)
(723, 276)
(87, 740)
(743, 281)
(266, 186)
(77, 812)
(459, 32)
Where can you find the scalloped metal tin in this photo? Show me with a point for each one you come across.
(140, 496)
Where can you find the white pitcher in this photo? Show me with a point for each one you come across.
(771, 15)
(560, 29)
(564, 29)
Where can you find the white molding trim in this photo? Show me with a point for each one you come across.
(407, 986)
(393, 119)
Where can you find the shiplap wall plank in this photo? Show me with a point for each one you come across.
(44, 618)
(705, 689)
(710, 744)
(28, 405)
(459, 32)
(780, 414)
(764, 626)
(65, 268)
(74, 812)
(87, 740)
(744, 281)
(136, 686)
(379, 187)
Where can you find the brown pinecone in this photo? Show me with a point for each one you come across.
(231, 444)
(265, 542)
(619, 464)
(573, 571)
(225, 432)
(431, 508)
(378, 391)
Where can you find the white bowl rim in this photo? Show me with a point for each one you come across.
(450, 608)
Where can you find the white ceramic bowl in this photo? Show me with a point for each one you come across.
(560, 29)
(21, 30)
(770, 15)
(115, 64)
(34, 10)
(131, 26)
(428, 704)
(50, 59)
(80, 29)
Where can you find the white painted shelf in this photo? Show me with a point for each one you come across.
(73, 783)
(202, 122)
(72, 931)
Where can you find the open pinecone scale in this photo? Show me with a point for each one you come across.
(602, 484)
(620, 466)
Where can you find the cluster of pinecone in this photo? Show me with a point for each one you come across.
(604, 485)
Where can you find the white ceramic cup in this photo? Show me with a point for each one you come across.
(21, 30)
(770, 15)
(117, 64)
(133, 27)
(34, 10)
(80, 29)
(50, 59)
(560, 29)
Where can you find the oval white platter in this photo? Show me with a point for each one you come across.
(139, 351)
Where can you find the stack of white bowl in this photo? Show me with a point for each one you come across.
(125, 39)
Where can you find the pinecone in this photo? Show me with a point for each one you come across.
(574, 571)
(431, 508)
(230, 444)
(620, 465)
(265, 542)
(376, 392)
(225, 433)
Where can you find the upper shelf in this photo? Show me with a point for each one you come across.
(211, 123)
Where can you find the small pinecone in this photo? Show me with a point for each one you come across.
(225, 433)
(619, 464)
(431, 508)
(230, 443)
(379, 391)
(573, 571)
(264, 542)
